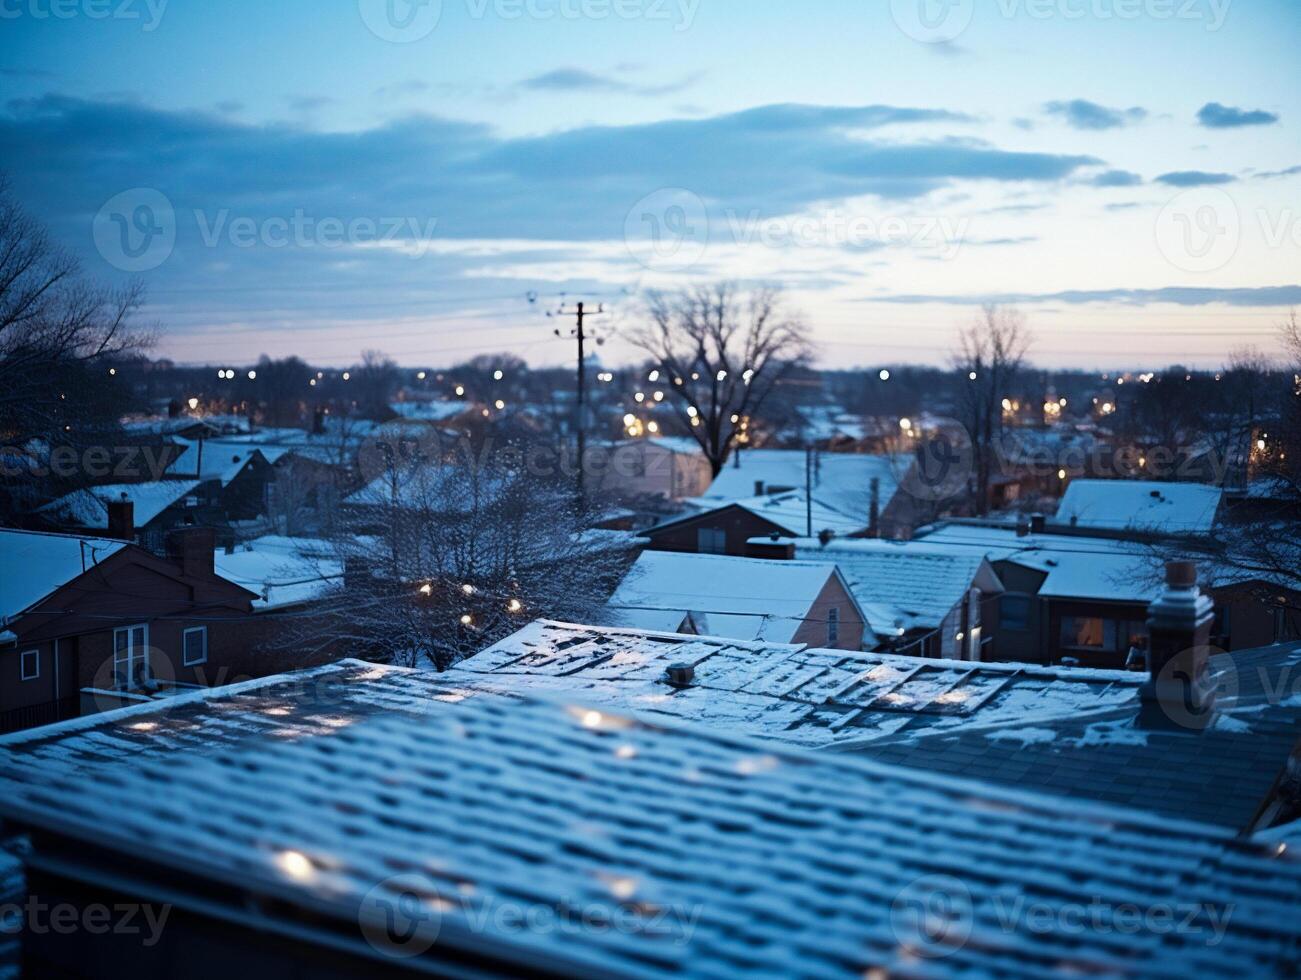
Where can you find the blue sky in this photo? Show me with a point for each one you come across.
(288, 178)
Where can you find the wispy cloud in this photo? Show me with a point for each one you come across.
(1213, 115)
(1194, 178)
(1083, 114)
(582, 80)
(1263, 296)
(1116, 178)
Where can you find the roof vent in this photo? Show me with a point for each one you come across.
(680, 675)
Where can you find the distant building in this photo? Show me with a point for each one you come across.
(727, 529)
(155, 508)
(667, 467)
(741, 598)
(1141, 505)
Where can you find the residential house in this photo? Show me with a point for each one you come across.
(919, 599)
(667, 467)
(741, 598)
(109, 618)
(302, 825)
(862, 487)
(727, 529)
(1141, 505)
(284, 573)
(154, 509)
(242, 472)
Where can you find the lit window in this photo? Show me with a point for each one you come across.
(194, 644)
(31, 664)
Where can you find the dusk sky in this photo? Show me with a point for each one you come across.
(319, 178)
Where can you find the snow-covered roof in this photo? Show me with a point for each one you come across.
(789, 511)
(682, 445)
(840, 480)
(89, 508)
(740, 598)
(342, 794)
(788, 692)
(429, 411)
(282, 571)
(221, 459)
(1167, 508)
(34, 564)
(1223, 775)
(903, 585)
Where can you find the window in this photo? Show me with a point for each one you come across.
(833, 626)
(31, 664)
(1088, 633)
(194, 646)
(1014, 612)
(130, 657)
(711, 541)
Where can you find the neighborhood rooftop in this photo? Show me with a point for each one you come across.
(1142, 505)
(307, 796)
(34, 564)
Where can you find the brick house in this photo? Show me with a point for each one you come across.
(94, 623)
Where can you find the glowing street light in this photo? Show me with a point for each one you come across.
(884, 375)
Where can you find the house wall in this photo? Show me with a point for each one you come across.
(1130, 616)
(737, 523)
(645, 469)
(814, 629)
(1018, 645)
(1254, 614)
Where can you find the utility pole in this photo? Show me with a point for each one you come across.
(580, 426)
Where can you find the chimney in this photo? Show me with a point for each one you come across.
(193, 547)
(874, 508)
(1023, 528)
(1037, 523)
(758, 488)
(1180, 691)
(680, 675)
(122, 519)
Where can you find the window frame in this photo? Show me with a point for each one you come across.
(185, 649)
(22, 664)
(134, 678)
(717, 537)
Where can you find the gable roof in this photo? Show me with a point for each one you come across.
(89, 507)
(805, 696)
(221, 460)
(841, 480)
(1166, 508)
(902, 584)
(789, 511)
(742, 598)
(719, 856)
(34, 564)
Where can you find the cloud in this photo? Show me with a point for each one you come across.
(1083, 114)
(412, 86)
(1116, 178)
(309, 103)
(1274, 174)
(582, 80)
(1213, 115)
(1262, 296)
(1194, 178)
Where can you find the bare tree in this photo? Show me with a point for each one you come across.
(374, 383)
(446, 558)
(56, 329)
(721, 352)
(990, 355)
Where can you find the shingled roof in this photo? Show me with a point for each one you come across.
(324, 798)
(811, 697)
